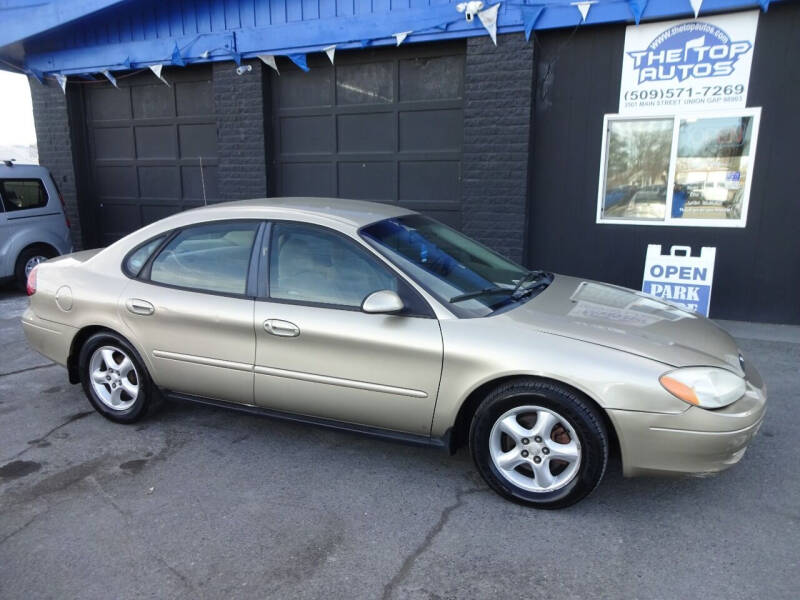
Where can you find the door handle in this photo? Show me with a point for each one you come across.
(139, 307)
(281, 328)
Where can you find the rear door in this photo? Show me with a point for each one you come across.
(191, 311)
(318, 354)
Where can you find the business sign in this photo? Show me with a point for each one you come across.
(701, 64)
(679, 277)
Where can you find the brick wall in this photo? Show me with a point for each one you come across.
(52, 124)
(239, 103)
(497, 120)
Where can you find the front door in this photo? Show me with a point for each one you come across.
(190, 313)
(318, 354)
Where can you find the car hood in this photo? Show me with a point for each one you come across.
(627, 320)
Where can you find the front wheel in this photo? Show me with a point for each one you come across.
(539, 443)
(115, 379)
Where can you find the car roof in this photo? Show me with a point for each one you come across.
(356, 213)
(18, 170)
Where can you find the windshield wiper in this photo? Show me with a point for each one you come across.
(526, 278)
(529, 276)
(484, 292)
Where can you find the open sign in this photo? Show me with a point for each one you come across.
(679, 277)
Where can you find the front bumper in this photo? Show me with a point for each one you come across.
(694, 442)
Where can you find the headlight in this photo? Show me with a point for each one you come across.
(706, 387)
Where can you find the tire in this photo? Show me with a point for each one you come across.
(33, 254)
(574, 451)
(109, 380)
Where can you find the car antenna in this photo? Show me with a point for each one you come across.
(203, 181)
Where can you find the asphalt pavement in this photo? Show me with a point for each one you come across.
(199, 502)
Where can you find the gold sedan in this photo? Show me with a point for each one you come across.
(374, 318)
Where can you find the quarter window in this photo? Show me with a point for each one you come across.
(309, 264)
(213, 257)
(22, 194)
(136, 260)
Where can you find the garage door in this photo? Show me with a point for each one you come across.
(382, 125)
(153, 149)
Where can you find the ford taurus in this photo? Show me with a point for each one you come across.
(374, 318)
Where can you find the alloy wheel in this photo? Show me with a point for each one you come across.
(535, 448)
(114, 378)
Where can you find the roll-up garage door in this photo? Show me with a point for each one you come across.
(383, 124)
(152, 148)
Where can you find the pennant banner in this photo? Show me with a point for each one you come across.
(583, 8)
(62, 81)
(637, 8)
(269, 60)
(488, 18)
(177, 59)
(401, 37)
(300, 61)
(696, 4)
(156, 69)
(530, 14)
(330, 51)
(764, 4)
(110, 77)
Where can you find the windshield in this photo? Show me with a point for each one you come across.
(467, 277)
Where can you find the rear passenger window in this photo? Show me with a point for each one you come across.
(213, 257)
(22, 194)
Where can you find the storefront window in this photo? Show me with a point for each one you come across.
(678, 170)
(711, 169)
(637, 166)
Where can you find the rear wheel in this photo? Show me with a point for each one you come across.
(539, 443)
(28, 259)
(114, 378)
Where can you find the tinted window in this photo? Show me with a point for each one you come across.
(22, 194)
(213, 257)
(310, 264)
(136, 260)
(446, 262)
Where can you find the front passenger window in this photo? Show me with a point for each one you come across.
(310, 264)
(214, 257)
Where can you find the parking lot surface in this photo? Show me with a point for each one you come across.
(197, 502)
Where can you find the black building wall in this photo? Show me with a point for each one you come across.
(757, 271)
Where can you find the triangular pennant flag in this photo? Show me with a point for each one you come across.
(62, 81)
(300, 61)
(127, 62)
(365, 43)
(530, 14)
(110, 77)
(764, 5)
(269, 60)
(488, 18)
(177, 59)
(583, 8)
(156, 69)
(237, 58)
(696, 4)
(330, 51)
(637, 8)
(401, 37)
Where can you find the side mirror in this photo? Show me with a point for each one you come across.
(382, 301)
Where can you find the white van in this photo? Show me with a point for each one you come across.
(33, 224)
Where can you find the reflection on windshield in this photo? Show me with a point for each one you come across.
(446, 263)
